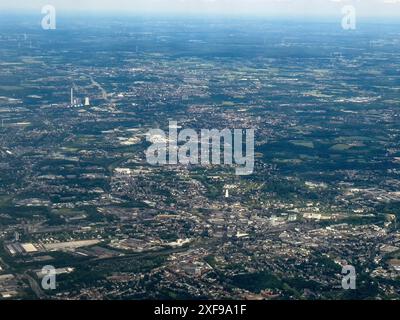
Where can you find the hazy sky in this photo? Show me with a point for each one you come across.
(260, 7)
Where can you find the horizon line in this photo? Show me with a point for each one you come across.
(172, 13)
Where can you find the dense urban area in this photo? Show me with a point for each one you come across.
(77, 193)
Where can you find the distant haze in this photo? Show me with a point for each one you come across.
(258, 7)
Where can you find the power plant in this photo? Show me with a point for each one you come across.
(76, 102)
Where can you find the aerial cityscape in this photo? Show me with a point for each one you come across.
(305, 205)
